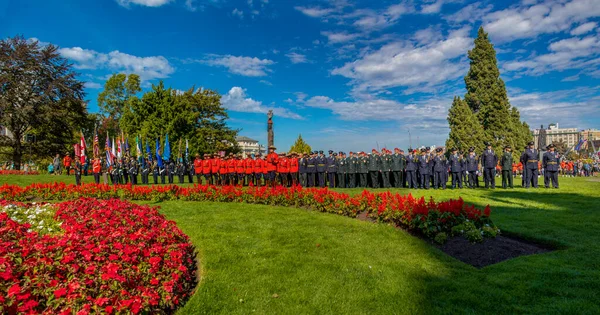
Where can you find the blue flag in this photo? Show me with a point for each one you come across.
(148, 152)
(158, 159)
(167, 150)
(187, 151)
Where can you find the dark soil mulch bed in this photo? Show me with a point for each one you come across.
(490, 251)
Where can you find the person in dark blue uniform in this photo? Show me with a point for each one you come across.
(523, 161)
(424, 167)
(439, 167)
(331, 168)
(532, 159)
(455, 169)
(551, 163)
(311, 169)
(489, 160)
(411, 169)
(472, 165)
(321, 168)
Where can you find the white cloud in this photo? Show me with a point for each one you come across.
(147, 3)
(237, 100)
(340, 37)
(246, 66)
(584, 28)
(237, 13)
(570, 78)
(297, 58)
(265, 82)
(530, 20)
(314, 11)
(574, 106)
(435, 6)
(92, 85)
(148, 68)
(568, 53)
(404, 63)
(471, 13)
(191, 5)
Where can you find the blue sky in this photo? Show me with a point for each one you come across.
(347, 75)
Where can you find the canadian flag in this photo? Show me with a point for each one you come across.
(83, 147)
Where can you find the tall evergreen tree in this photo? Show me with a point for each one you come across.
(300, 146)
(487, 98)
(465, 130)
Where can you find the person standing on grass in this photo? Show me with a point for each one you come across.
(456, 169)
(507, 166)
(96, 169)
(550, 164)
(440, 166)
(489, 160)
(67, 163)
(259, 164)
(198, 167)
(531, 160)
(271, 163)
(78, 171)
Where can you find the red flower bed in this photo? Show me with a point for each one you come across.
(17, 172)
(113, 257)
(426, 216)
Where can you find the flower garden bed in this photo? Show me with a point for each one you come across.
(435, 220)
(110, 256)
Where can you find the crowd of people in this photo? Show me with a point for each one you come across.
(417, 169)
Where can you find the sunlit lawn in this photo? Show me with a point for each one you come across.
(278, 260)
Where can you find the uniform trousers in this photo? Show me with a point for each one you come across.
(363, 179)
(341, 180)
(181, 177)
(310, 180)
(551, 176)
(524, 177)
(473, 181)
(331, 179)
(532, 178)
(489, 176)
(411, 177)
(456, 180)
(97, 178)
(424, 180)
(351, 180)
(133, 179)
(303, 179)
(77, 179)
(398, 180)
(321, 177)
(374, 179)
(191, 177)
(439, 180)
(507, 180)
(155, 178)
(386, 179)
(170, 175)
(198, 178)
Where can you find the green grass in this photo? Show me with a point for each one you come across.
(323, 263)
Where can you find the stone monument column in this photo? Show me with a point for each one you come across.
(270, 135)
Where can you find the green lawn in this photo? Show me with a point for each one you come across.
(323, 263)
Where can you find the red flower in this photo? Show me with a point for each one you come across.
(14, 289)
(60, 293)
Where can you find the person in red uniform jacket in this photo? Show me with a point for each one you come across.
(249, 167)
(231, 163)
(293, 158)
(96, 169)
(67, 163)
(215, 167)
(198, 167)
(258, 170)
(265, 169)
(206, 169)
(272, 161)
(223, 170)
(283, 168)
(240, 170)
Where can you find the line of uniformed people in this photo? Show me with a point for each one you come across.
(417, 169)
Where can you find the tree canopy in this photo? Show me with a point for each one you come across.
(40, 96)
(300, 146)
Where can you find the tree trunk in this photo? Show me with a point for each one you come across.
(17, 152)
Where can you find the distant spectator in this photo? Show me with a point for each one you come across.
(67, 163)
(56, 162)
(51, 168)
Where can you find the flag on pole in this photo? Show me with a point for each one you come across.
(148, 152)
(82, 147)
(77, 149)
(119, 148)
(187, 151)
(96, 144)
(167, 149)
(126, 146)
(179, 151)
(108, 152)
(158, 158)
(113, 152)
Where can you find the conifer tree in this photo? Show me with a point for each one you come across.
(465, 130)
(488, 100)
(300, 146)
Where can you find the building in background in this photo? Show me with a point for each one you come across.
(554, 134)
(590, 134)
(249, 146)
(5, 132)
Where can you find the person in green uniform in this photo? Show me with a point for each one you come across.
(352, 168)
(386, 167)
(506, 163)
(363, 169)
(374, 168)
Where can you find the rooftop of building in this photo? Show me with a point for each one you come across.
(244, 139)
